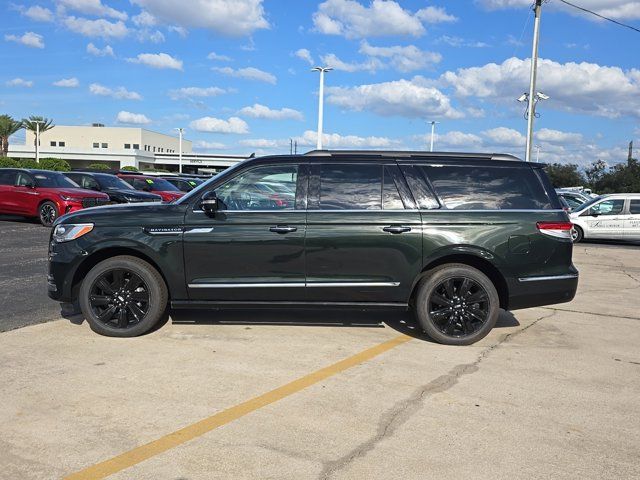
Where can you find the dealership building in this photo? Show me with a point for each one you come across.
(120, 147)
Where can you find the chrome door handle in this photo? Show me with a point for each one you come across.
(282, 229)
(397, 229)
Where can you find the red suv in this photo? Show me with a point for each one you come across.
(43, 194)
(157, 185)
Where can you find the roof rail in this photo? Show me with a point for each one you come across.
(412, 154)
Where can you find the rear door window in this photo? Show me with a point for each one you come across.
(634, 207)
(391, 199)
(7, 177)
(351, 187)
(487, 187)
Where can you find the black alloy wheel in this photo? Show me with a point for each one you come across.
(459, 306)
(119, 298)
(47, 213)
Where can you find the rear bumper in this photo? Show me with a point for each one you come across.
(527, 292)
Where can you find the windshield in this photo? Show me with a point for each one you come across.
(111, 181)
(153, 184)
(53, 180)
(586, 205)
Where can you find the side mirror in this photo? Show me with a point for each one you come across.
(209, 203)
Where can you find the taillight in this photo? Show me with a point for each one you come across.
(556, 229)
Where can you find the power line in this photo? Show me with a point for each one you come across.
(601, 16)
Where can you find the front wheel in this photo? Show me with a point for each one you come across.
(457, 304)
(123, 296)
(48, 212)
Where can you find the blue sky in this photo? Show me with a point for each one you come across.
(237, 74)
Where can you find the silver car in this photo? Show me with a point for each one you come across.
(613, 217)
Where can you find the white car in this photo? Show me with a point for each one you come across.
(614, 217)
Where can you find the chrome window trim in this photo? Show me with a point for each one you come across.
(294, 284)
(570, 276)
(443, 210)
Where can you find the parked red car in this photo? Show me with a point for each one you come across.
(157, 185)
(43, 194)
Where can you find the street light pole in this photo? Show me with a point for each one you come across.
(322, 70)
(180, 132)
(537, 153)
(433, 133)
(532, 80)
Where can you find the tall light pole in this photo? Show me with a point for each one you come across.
(532, 80)
(180, 132)
(322, 71)
(537, 153)
(433, 133)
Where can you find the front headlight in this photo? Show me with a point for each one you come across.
(71, 231)
(67, 198)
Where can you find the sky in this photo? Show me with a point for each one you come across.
(237, 74)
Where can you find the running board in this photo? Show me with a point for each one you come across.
(204, 304)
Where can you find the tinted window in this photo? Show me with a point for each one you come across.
(154, 185)
(22, 180)
(107, 181)
(634, 207)
(350, 187)
(7, 177)
(418, 185)
(53, 180)
(391, 199)
(271, 187)
(608, 207)
(571, 201)
(487, 188)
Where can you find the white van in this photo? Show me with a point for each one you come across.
(614, 217)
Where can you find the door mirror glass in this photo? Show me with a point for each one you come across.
(209, 203)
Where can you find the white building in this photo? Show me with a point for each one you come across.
(119, 147)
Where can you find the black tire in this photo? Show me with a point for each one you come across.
(577, 234)
(456, 321)
(47, 213)
(118, 284)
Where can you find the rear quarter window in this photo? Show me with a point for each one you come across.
(487, 187)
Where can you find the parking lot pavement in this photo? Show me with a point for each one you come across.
(552, 393)
(23, 274)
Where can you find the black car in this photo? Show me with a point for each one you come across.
(184, 184)
(118, 190)
(453, 236)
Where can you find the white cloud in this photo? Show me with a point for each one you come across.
(505, 137)
(204, 145)
(29, 39)
(370, 65)
(92, 7)
(67, 82)
(190, 92)
(155, 36)
(218, 125)
(558, 137)
(100, 52)
(381, 18)
(305, 55)
(232, 18)
(132, 118)
(248, 73)
(618, 9)
(586, 88)
(179, 30)
(414, 98)
(38, 14)
(262, 111)
(120, 93)
(403, 59)
(215, 56)
(265, 143)
(330, 140)
(19, 82)
(157, 60)
(145, 19)
(96, 28)
(454, 41)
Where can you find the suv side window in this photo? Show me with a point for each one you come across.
(350, 187)
(607, 207)
(391, 199)
(22, 180)
(487, 187)
(7, 177)
(634, 207)
(271, 187)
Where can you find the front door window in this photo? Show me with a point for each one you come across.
(271, 187)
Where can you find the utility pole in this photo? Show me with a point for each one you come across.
(532, 82)
(630, 151)
(322, 71)
(180, 132)
(537, 153)
(433, 133)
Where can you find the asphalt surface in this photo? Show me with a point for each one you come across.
(23, 274)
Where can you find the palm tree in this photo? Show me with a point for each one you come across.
(8, 126)
(36, 123)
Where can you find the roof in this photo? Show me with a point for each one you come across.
(412, 154)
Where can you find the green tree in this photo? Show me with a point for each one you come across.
(621, 178)
(33, 121)
(595, 172)
(99, 166)
(56, 164)
(565, 175)
(6, 162)
(129, 168)
(8, 126)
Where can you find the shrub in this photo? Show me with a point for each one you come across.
(129, 168)
(56, 164)
(6, 162)
(27, 163)
(99, 166)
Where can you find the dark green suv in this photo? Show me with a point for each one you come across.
(454, 236)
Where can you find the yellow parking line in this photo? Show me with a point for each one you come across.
(195, 430)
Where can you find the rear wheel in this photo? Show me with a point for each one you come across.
(48, 212)
(457, 304)
(123, 297)
(577, 234)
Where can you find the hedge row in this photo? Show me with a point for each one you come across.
(56, 164)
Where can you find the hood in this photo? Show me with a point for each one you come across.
(132, 193)
(79, 193)
(126, 215)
